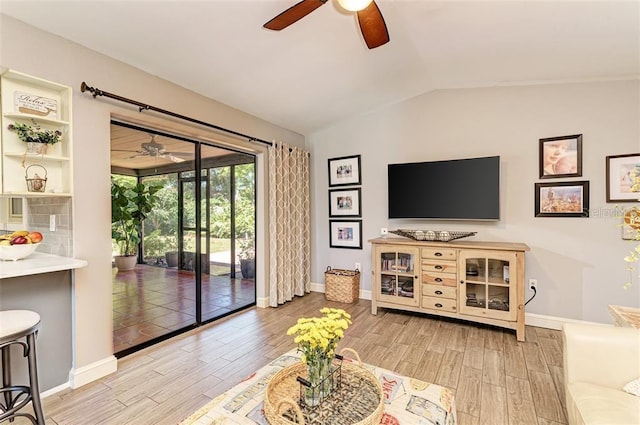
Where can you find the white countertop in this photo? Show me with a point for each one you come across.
(38, 263)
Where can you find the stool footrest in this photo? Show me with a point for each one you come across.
(15, 402)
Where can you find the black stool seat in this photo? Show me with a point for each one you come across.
(19, 327)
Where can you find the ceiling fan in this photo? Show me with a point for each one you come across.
(372, 25)
(157, 150)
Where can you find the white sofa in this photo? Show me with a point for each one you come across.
(598, 362)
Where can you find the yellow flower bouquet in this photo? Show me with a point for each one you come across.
(317, 338)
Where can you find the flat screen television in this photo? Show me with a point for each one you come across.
(460, 189)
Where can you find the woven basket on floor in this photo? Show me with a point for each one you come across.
(283, 390)
(342, 285)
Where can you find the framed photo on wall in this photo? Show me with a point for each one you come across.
(344, 203)
(345, 234)
(620, 177)
(344, 171)
(562, 199)
(561, 157)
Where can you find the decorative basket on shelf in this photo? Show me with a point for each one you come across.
(35, 183)
(432, 235)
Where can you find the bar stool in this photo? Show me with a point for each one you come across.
(15, 325)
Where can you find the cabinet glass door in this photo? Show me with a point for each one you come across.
(397, 277)
(474, 272)
(498, 288)
(486, 287)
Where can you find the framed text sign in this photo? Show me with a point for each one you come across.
(35, 105)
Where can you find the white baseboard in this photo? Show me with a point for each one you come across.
(96, 370)
(317, 287)
(262, 302)
(365, 294)
(531, 319)
(54, 390)
(551, 322)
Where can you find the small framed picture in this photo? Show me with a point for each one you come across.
(345, 234)
(565, 199)
(344, 171)
(623, 172)
(561, 157)
(344, 203)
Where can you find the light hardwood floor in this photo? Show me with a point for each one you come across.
(496, 379)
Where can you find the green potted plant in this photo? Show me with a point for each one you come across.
(129, 207)
(247, 256)
(36, 138)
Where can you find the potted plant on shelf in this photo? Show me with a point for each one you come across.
(36, 138)
(129, 207)
(247, 258)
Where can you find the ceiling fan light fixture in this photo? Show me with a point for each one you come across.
(354, 5)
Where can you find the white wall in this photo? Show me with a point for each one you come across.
(34, 52)
(577, 261)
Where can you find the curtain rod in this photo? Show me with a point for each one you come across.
(144, 107)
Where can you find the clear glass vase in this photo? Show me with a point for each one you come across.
(321, 381)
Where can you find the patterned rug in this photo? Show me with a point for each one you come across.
(407, 401)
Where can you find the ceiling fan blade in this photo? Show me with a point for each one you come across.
(138, 155)
(374, 29)
(185, 155)
(172, 157)
(293, 14)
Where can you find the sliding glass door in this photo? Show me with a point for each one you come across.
(192, 244)
(231, 237)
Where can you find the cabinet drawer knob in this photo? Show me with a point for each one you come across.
(438, 305)
(438, 267)
(438, 254)
(438, 292)
(438, 279)
(462, 282)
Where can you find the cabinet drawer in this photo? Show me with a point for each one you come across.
(445, 254)
(435, 303)
(435, 278)
(439, 266)
(439, 291)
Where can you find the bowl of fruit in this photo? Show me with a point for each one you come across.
(18, 245)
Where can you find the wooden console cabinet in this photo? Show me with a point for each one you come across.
(470, 280)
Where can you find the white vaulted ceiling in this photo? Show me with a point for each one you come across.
(318, 71)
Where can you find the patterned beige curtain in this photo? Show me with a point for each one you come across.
(289, 223)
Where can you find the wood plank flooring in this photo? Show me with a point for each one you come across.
(496, 379)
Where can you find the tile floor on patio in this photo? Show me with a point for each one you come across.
(151, 301)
